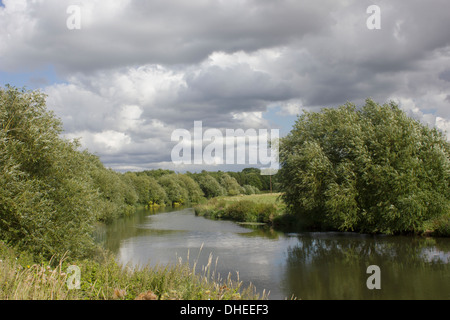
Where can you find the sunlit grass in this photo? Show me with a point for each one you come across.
(255, 208)
(258, 198)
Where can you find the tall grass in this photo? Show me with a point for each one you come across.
(259, 208)
(107, 280)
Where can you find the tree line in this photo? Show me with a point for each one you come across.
(372, 169)
(167, 188)
(52, 194)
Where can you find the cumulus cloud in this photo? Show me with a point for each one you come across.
(137, 70)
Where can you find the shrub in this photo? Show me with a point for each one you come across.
(441, 226)
(249, 189)
(244, 210)
(370, 170)
(266, 212)
(249, 211)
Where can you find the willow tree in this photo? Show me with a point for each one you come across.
(210, 186)
(372, 169)
(47, 199)
(174, 188)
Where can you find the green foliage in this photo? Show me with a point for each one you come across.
(440, 226)
(46, 197)
(194, 191)
(262, 208)
(253, 177)
(156, 173)
(157, 194)
(370, 170)
(210, 186)
(230, 184)
(249, 189)
(175, 191)
(141, 186)
(112, 194)
(249, 211)
(244, 210)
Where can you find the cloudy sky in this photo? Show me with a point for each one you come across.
(123, 75)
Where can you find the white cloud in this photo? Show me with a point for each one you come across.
(104, 142)
(444, 126)
(137, 70)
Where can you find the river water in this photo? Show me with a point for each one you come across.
(305, 265)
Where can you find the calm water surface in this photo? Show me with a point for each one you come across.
(309, 265)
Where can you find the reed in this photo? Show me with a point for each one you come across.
(108, 280)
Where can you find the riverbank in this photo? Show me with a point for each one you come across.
(307, 265)
(257, 208)
(105, 279)
(268, 208)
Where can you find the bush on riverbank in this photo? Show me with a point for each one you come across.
(22, 279)
(439, 227)
(372, 170)
(261, 208)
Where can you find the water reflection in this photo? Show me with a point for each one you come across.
(307, 265)
(333, 266)
(111, 235)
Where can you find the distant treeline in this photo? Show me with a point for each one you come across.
(52, 194)
(196, 185)
(168, 188)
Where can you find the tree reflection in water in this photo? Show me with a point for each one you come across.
(333, 266)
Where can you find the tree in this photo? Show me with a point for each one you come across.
(194, 191)
(176, 193)
(131, 195)
(47, 198)
(249, 189)
(254, 179)
(113, 193)
(371, 170)
(210, 186)
(157, 194)
(230, 184)
(141, 184)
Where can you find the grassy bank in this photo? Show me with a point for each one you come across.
(439, 227)
(269, 209)
(21, 279)
(257, 208)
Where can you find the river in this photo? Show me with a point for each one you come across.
(305, 265)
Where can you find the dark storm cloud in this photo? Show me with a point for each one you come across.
(123, 33)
